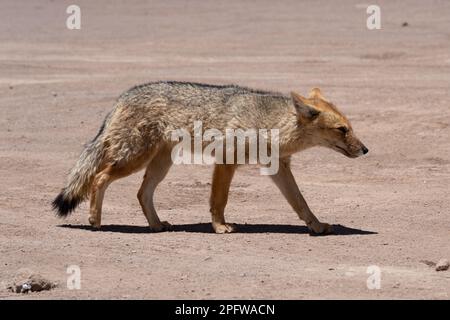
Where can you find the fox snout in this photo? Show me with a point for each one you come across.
(364, 149)
(349, 145)
(353, 148)
(352, 153)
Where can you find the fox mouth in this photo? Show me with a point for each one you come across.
(345, 152)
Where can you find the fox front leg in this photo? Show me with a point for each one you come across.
(285, 181)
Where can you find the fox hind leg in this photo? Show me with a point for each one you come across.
(156, 171)
(222, 176)
(98, 188)
(105, 177)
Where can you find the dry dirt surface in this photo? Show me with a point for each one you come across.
(391, 207)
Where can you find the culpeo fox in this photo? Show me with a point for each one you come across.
(137, 135)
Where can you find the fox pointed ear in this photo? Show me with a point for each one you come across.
(304, 110)
(316, 93)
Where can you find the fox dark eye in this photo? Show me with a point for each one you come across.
(343, 129)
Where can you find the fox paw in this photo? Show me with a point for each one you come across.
(163, 226)
(320, 228)
(94, 223)
(223, 228)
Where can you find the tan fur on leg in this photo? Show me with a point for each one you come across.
(222, 176)
(156, 171)
(288, 187)
(105, 177)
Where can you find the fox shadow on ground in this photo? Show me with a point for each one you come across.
(339, 230)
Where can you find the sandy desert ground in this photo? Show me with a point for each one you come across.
(391, 207)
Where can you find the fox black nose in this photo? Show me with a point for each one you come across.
(365, 150)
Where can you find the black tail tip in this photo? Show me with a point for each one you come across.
(64, 206)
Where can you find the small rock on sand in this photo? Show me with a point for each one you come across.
(442, 265)
(428, 263)
(32, 282)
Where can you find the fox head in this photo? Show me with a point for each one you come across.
(326, 125)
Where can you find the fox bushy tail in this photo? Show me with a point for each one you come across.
(80, 177)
